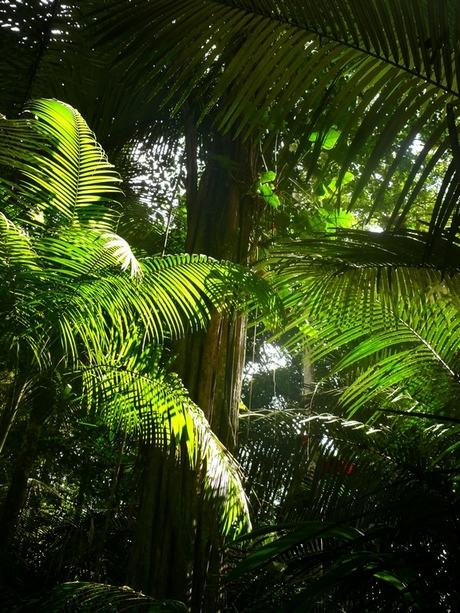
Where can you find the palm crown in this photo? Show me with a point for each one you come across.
(380, 78)
(79, 308)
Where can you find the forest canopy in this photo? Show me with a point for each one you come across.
(229, 365)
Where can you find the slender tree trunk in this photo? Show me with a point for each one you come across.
(110, 508)
(177, 551)
(15, 393)
(160, 561)
(17, 491)
(43, 397)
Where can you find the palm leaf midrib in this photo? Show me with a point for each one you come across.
(330, 37)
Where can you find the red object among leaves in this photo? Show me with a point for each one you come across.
(332, 465)
(338, 467)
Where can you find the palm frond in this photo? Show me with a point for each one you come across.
(417, 359)
(361, 532)
(360, 278)
(378, 75)
(391, 318)
(64, 169)
(98, 597)
(134, 392)
(76, 174)
(365, 249)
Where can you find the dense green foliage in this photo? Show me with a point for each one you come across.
(276, 134)
(83, 319)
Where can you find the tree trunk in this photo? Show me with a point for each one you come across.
(43, 394)
(177, 550)
(14, 396)
(17, 491)
(110, 508)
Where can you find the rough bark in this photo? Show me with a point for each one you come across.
(177, 550)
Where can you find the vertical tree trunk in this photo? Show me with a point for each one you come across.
(44, 402)
(110, 508)
(17, 490)
(177, 551)
(14, 396)
(222, 217)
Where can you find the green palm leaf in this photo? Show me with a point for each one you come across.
(389, 69)
(395, 324)
(349, 538)
(64, 168)
(77, 174)
(133, 392)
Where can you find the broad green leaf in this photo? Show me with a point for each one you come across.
(327, 140)
(267, 177)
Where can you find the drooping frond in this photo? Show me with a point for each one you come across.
(133, 392)
(100, 596)
(415, 360)
(380, 76)
(392, 320)
(290, 40)
(66, 171)
(350, 276)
